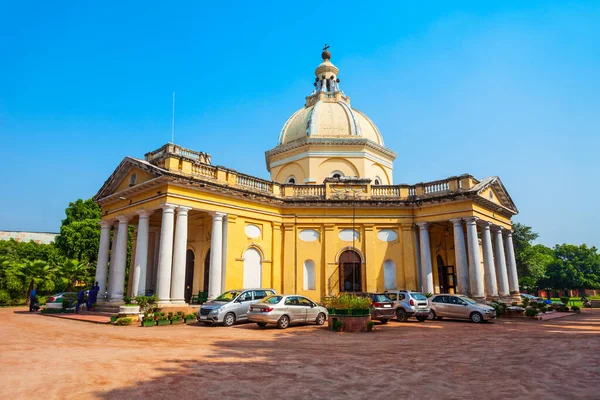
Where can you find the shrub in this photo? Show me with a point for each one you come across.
(565, 300)
(428, 295)
(525, 302)
(565, 309)
(4, 297)
(337, 325)
(499, 307)
(349, 302)
(127, 300)
(161, 318)
(543, 309)
(370, 324)
(146, 303)
(576, 309)
(123, 321)
(190, 316)
(531, 312)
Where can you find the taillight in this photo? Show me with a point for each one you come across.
(412, 302)
(269, 309)
(376, 304)
(51, 299)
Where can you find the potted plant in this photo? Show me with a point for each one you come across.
(148, 320)
(531, 312)
(162, 320)
(190, 319)
(176, 319)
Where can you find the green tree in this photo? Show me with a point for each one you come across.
(36, 274)
(575, 267)
(72, 271)
(532, 260)
(80, 232)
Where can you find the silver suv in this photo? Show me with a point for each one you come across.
(231, 307)
(409, 304)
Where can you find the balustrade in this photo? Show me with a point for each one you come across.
(309, 190)
(254, 183)
(385, 191)
(206, 171)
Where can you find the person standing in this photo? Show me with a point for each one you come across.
(80, 299)
(32, 299)
(92, 296)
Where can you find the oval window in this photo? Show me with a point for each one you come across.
(252, 231)
(387, 235)
(308, 235)
(348, 235)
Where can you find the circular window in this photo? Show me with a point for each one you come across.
(308, 235)
(348, 235)
(387, 235)
(252, 231)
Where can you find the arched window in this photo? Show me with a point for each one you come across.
(389, 274)
(291, 180)
(309, 275)
(350, 272)
(337, 174)
(377, 181)
(252, 269)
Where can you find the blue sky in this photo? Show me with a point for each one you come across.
(510, 89)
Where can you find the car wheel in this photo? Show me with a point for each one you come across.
(384, 321)
(401, 315)
(421, 319)
(320, 319)
(261, 324)
(229, 319)
(283, 322)
(476, 317)
(431, 316)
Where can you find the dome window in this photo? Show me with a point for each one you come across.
(291, 180)
(336, 175)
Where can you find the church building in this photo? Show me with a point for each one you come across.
(330, 220)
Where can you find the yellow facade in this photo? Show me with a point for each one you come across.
(307, 225)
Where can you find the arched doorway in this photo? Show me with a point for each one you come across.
(446, 276)
(252, 269)
(206, 272)
(189, 275)
(350, 272)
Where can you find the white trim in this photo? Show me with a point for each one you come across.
(332, 154)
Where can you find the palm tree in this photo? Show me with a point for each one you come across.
(37, 273)
(73, 271)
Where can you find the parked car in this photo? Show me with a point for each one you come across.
(459, 306)
(382, 307)
(231, 306)
(409, 304)
(284, 310)
(61, 297)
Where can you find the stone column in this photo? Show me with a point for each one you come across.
(224, 257)
(155, 259)
(460, 255)
(216, 255)
(179, 256)
(116, 284)
(418, 259)
(165, 255)
(513, 278)
(476, 275)
(138, 288)
(501, 273)
(488, 261)
(426, 273)
(102, 264)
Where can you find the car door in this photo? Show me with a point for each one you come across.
(309, 308)
(456, 307)
(439, 304)
(294, 310)
(242, 305)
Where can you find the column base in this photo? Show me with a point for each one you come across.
(178, 302)
(479, 299)
(493, 298)
(115, 300)
(163, 302)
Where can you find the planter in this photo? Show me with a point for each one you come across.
(338, 311)
(331, 311)
(125, 310)
(176, 321)
(361, 312)
(348, 323)
(149, 323)
(190, 320)
(162, 322)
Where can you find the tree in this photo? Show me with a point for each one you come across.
(72, 271)
(575, 267)
(80, 232)
(532, 260)
(38, 274)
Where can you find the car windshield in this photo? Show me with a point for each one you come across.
(228, 296)
(271, 300)
(380, 298)
(418, 296)
(468, 300)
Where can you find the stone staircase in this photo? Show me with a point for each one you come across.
(106, 309)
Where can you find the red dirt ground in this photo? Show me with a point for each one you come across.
(54, 358)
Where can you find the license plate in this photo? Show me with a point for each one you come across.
(203, 317)
(387, 306)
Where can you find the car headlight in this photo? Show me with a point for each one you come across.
(215, 310)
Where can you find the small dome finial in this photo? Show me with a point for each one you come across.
(326, 55)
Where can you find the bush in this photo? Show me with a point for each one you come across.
(190, 316)
(337, 325)
(525, 302)
(531, 312)
(4, 297)
(499, 307)
(428, 295)
(348, 302)
(124, 321)
(146, 303)
(576, 309)
(565, 300)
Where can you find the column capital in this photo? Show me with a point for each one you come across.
(123, 219)
(497, 228)
(218, 215)
(104, 224)
(422, 225)
(507, 232)
(183, 210)
(456, 221)
(168, 208)
(485, 224)
(471, 220)
(144, 213)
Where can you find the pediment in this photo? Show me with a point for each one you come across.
(492, 190)
(131, 172)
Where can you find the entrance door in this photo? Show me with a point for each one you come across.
(206, 272)
(189, 275)
(350, 272)
(446, 277)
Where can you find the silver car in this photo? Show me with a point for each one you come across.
(231, 307)
(409, 304)
(459, 306)
(284, 310)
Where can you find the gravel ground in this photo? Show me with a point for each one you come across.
(51, 358)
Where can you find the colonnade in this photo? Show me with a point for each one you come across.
(497, 279)
(169, 258)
